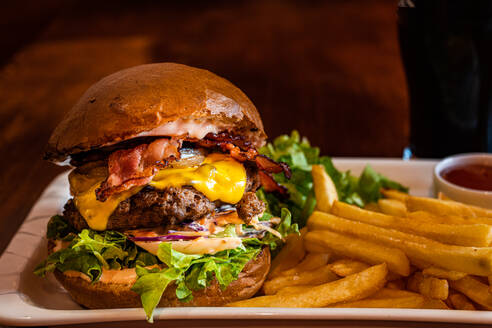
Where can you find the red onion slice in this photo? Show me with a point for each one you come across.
(196, 226)
(164, 238)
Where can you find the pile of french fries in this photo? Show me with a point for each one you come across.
(401, 252)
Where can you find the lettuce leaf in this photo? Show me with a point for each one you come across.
(371, 182)
(229, 231)
(60, 229)
(151, 284)
(285, 228)
(300, 155)
(189, 272)
(71, 259)
(90, 251)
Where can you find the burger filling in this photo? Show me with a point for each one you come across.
(183, 211)
(171, 206)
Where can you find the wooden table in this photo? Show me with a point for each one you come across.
(330, 69)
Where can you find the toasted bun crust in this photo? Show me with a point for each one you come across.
(141, 98)
(110, 295)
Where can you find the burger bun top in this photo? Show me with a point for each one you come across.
(132, 101)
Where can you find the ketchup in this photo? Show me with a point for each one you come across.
(473, 176)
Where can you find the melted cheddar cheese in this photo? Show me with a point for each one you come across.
(219, 177)
(83, 188)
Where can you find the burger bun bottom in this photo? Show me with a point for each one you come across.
(105, 295)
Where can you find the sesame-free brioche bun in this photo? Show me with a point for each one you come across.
(132, 101)
(101, 295)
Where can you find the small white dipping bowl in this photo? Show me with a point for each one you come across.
(458, 193)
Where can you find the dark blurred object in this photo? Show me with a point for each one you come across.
(446, 48)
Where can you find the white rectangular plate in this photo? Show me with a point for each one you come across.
(29, 300)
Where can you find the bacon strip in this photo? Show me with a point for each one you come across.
(136, 166)
(269, 183)
(265, 165)
(238, 154)
(269, 165)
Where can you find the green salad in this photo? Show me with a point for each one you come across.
(300, 155)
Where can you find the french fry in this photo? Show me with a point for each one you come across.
(266, 301)
(471, 260)
(483, 280)
(427, 217)
(408, 302)
(393, 276)
(314, 277)
(346, 267)
(373, 207)
(294, 289)
(461, 302)
(428, 286)
(419, 264)
(438, 207)
(310, 262)
(324, 188)
(428, 303)
(290, 255)
(448, 301)
(360, 249)
(392, 207)
(396, 284)
(388, 298)
(477, 219)
(434, 288)
(392, 293)
(413, 282)
(315, 248)
(394, 194)
(445, 207)
(431, 303)
(444, 274)
(480, 211)
(351, 288)
(448, 219)
(478, 235)
(442, 196)
(474, 290)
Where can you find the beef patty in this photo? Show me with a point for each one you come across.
(168, 207)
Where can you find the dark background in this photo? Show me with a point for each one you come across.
(330, 69)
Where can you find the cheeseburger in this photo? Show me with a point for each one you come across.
(163, 208)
